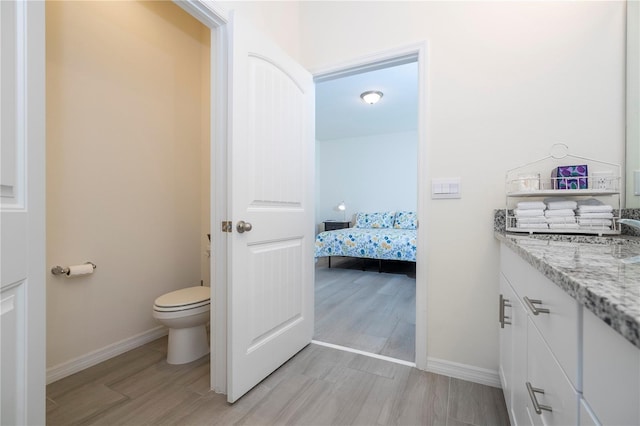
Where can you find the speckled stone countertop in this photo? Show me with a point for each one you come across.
(596, 271)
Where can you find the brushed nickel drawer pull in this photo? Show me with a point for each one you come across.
(534, 309)
(534, 400)
(502, 318)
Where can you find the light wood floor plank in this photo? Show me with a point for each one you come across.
(477, 404)
(147, 409)
(366, 310)
(319, 386)
(83, 402)
(112, 370)
(423, 400)
(160, 374)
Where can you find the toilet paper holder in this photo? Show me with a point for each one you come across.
(60, 270)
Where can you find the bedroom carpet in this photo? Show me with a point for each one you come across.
(366, 310)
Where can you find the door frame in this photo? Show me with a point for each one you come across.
(216, 19)
(415, 52)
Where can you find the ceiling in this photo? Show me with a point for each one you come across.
(340, 113)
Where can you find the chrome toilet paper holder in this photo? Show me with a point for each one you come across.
(60, 270)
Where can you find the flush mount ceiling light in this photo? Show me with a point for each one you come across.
(371, 96)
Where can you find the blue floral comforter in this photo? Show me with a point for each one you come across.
(385, 243)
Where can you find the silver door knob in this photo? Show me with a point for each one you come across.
(243, 226)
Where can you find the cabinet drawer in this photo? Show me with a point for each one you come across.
(333, 225)
(611, 373)
(560, 325)
(511, 266)
(544, 373)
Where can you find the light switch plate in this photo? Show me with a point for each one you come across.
(636, 182)
(445, 188)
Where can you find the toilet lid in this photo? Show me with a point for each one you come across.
(185, 296)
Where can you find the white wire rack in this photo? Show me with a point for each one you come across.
(536, 181)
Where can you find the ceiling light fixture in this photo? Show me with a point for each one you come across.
(371, 96)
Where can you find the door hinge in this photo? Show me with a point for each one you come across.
(226, 226)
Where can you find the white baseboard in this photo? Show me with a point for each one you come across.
(464, 372)
(92, 358)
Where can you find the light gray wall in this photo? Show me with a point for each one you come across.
(370, 174)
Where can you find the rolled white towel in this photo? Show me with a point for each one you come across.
(531, 205)
(596, 216)
(561, 212)
(562, 205)
(561, 219)
(564, 226)
(528, 213)
(595, 222)
(532, 225)
(595, 209)
(590, 202)
(532, 219)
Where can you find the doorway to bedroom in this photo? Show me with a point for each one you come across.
(367, 187)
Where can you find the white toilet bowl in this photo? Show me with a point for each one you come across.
(186, 313)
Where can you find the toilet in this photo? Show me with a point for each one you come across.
(186, 313)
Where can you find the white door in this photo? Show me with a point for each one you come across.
(271, 188)
(22, 219)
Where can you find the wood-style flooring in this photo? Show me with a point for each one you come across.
(367, 310)
(319, 386)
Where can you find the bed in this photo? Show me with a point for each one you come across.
(381, 236)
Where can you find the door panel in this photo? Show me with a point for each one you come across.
(271, 187)
(22, 281)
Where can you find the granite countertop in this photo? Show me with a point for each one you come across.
(593, 270)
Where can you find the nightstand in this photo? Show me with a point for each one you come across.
(331, 225)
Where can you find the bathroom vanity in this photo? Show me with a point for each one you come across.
(570, 329)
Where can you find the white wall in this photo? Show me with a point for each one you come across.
(506, 80)
(277, 19)
(127, 129)
(370, 174)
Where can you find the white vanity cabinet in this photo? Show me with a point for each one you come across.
(564, 359)
(611, 375)
(541, 339)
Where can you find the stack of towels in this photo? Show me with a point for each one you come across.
(530, 215)
(593, 214)
(560, 213)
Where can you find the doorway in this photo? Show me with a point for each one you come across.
(366, 162)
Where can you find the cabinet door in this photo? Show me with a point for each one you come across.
(518, 409)
(611, 373)
(506, 342)
(544, 374)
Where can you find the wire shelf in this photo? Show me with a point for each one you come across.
(536, 181)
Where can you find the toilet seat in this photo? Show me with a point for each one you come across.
(183, 300)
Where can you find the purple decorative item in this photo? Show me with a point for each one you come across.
(570, 177)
